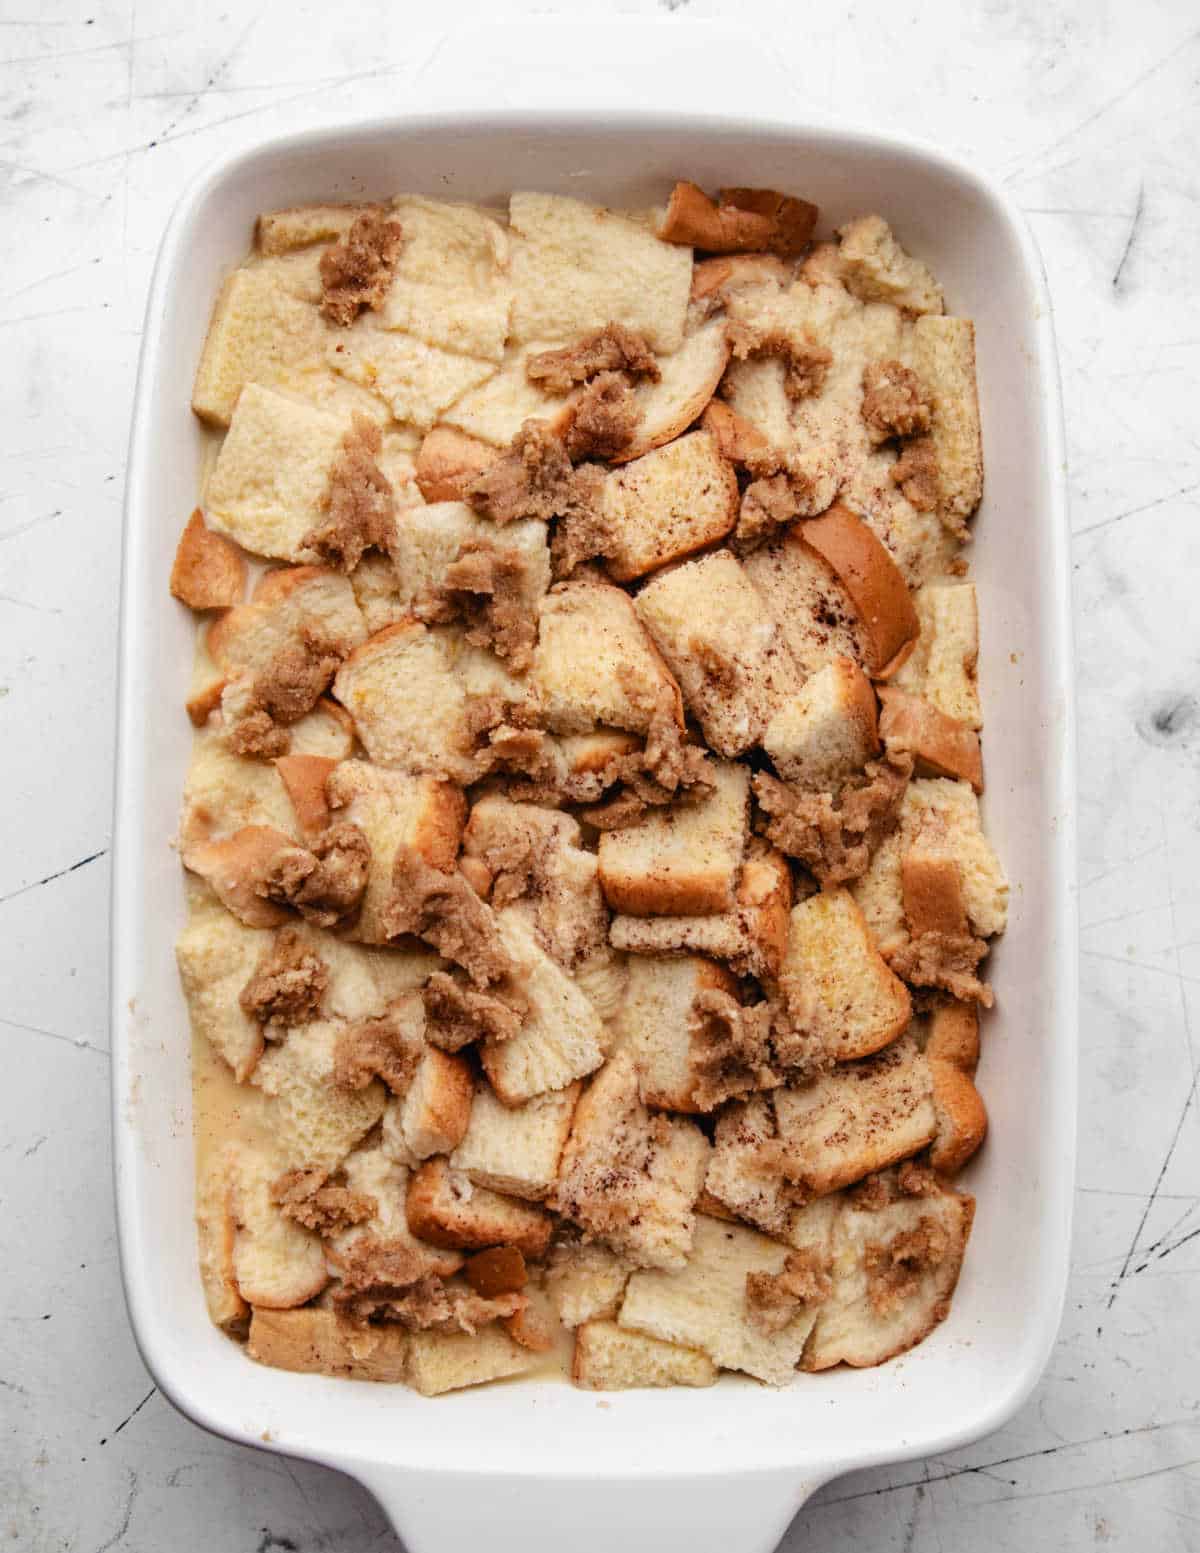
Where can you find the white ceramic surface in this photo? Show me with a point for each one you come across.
(535, 1465)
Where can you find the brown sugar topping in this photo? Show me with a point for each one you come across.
(325, 884)
(732, 1049)
(895, 1271)
(444, 911)
(359, 504)
(834, 837)
(806, 363)
(611, 349)
(945, 960)
(304, 1196)
(288, 983)
(258, 737)
(357, 270)
(456, 1015)
(388, 1047)
(534, 479)
(893, 404)
(916, 473)
(775, 1299)
(605, 419)
(487, 587)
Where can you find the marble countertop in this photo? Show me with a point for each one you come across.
(1089, 114)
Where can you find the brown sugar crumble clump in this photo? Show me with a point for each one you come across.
(388, 1047)
(360, 503)
(304, 1196)
(611, 349)
(894, 403)
(605, 419)
(357, 270)
(288, 984)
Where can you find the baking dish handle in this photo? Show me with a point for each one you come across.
(436, 1512)
(668, 64)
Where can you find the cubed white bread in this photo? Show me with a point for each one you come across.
(610, 1358)
(687, 381)
(703, 1305)
(855, 1328)
(276, 1262)
(722, 644)
(603, 978)
(430, 538)
(516, 1150)
(314, 1123)
(859, 1117)
(224, 792)
(576, 267)
(449, 461)
(259, 333)
(880, 896)
(827, 731)
(940, 745)
(207, 682)
(289, 605)
(961, 1117)
(217, 955)
(942, 667)
(944, 358)
(314, 1341)
(667, 504)
(377, 592)
(447, 1209)
(494, 412)
(751, 937)
(586, 1281)
(874, 583)
(433, 1114)
(208, 572)
(563, 904)
(449, 287)
(281, 231)
(216, 1230)
(415, 380)
(944, 816)
(439, 1362)
(628, 1178)
(561, 1038)
(394, 810)
(812, 609)
(372, 1170)
(272, 473)
(737, 439)
(853, 1002)
(773, 1154)
(680, 859)
(410, 688)
(594, 663)
(876, 269)
(754, 390)
(235, 866)
(950, 1033)
(662, 1027)
(364, 980)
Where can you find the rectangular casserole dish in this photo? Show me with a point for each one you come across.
(534, 1465)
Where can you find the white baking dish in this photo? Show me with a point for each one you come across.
(535, 1466)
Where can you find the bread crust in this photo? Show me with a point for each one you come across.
(209, 571)
(448, 461)
(943, 746)
(873, 581)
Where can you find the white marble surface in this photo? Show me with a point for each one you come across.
(1089, 113)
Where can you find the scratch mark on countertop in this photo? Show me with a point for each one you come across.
(129, 1416)
(60, 874)
(982, 1468)
(23, 528)
(1138, 211)
(1115, 1287)
(1132, 512)
(126, 1516)
(1084, 1488)
(55, 1035)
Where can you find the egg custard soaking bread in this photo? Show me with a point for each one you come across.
(588, 891)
